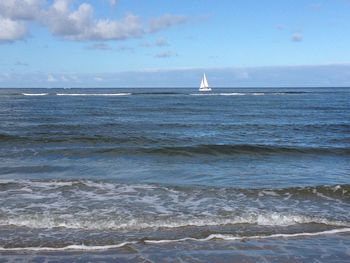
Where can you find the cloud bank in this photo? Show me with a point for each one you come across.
(336, 75)
(78, 24)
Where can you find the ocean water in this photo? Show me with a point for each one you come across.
(171, 175)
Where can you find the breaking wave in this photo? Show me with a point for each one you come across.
(94, 94)
(247, 93)
(35, 94)
(226, 149)
(274, 219)
(211, 237)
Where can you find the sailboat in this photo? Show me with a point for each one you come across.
(204, 84)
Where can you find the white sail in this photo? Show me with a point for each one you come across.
(204, 84)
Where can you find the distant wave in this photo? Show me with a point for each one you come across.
(93, 94)
(247, 93)
(228, 94)
(148, 145)
(7, 137)
(159, 93)
(226, 149)
(35, 94)
(196, 150)
(170, 94)
(70, 247)
(47, 138)
(212, 237)
(219, 94)
(232, 237)
(145, 146)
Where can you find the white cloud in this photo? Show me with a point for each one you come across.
(60, 22)
(166, 21)
(20, 9)
(280, 27)
(107, 29)
(99, 46)
(21, 64)
(166, 54)
(316, 7)
(13, 14)
(61, 5)
(113, 2)
(278, 76)
(81, 25)
(75, 24)
(297, 37)
(97, 78)
(11, 30)
(145, 44)
(161, 42)
(126, 48)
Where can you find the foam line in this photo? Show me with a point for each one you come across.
(219, 94)
(70, 247)
(231, 237)
(35, 94)
(93, 94)
(209, 238)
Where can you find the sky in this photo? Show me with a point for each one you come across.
(168, 43)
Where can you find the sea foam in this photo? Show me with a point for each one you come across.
(35, 94)
(93, 94)
(211, 237)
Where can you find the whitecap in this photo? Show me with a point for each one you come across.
(93, 94)
(81, 247)
(35, 94)
(50, 221)
(212, 237)
(232, 237)
(219, 94)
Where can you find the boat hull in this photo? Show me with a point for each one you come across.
(204, 90)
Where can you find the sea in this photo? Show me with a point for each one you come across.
(174, 175)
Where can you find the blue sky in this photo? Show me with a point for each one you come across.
(136, 43)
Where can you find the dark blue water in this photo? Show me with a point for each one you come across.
(159, 174)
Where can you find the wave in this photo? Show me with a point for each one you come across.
(35, 94)
(273, 219)
(220, 94)
(7, 137)
(232, 237)
(336, 191)
(94, 94)
(208, 150)
(159, 93)
(153, 207)
(70, 247)
(141, 145)
(227, 149)
(196, 150)
(212, 237)
(247, 93)
(92, 139)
